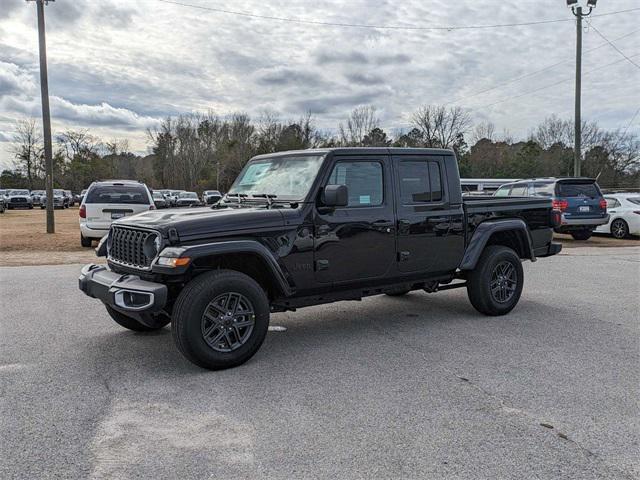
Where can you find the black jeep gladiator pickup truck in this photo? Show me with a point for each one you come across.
(309, 227)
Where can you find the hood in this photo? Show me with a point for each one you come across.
(202, 222)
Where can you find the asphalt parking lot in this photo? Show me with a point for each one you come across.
(414, 387)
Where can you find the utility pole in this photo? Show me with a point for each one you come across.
(577, 144)
(46, 117)
(577, 153)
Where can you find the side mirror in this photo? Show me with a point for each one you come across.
(335, 196)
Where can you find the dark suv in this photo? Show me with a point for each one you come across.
(578, 199)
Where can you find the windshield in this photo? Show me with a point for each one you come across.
(289, 178)
(175, 193)
(37, 192)
(57, 192)
(188, 195)
(19, 192)
(212, 192)
(157, 195)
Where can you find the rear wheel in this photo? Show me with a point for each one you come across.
(220, 319)
(582, 234)
(495, 285)
(132, 324)
(84, 241)
(619, 228)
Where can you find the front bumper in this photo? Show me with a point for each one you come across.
(128, 294)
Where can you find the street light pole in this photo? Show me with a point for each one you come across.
(46, 117)
(577, 144)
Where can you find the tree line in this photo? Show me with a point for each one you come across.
(201, 151)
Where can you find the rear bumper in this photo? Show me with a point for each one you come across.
(591, 222)
(128, 294)
(88, 232)
(548, 250)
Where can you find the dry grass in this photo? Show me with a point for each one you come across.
(24, 241)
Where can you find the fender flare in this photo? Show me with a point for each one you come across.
(483, 233)
(228, 248)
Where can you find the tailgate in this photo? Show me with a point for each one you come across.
(100, 215)
(583, 198)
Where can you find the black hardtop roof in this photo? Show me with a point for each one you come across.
(358, 151)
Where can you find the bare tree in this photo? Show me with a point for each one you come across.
(482, 130)
(441, 127)
(554, 130)
(28, 150)
(360, 122)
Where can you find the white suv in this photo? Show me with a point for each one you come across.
(107, 201)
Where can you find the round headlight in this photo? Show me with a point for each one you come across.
(151, 246)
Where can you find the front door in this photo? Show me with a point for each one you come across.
(356, 242)
(429, 228)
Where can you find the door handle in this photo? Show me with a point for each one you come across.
(438, 219)
(382, 223)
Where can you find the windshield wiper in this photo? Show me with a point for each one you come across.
(268, 196)
(238, 196)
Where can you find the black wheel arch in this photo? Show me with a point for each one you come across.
(512, 233)
(246, 256)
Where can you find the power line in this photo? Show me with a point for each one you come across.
(630, 122)
(550, 85)
(531, 74)
(374, 26)
(613, 45)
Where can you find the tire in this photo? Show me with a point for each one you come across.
(190, 325)
(619, 229)
(494, 260)
(30, 207)
(85, 242)
(582, 234)
(398, 292)
(131, 323)
(42, 207)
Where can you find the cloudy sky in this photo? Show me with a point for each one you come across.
(117, 66)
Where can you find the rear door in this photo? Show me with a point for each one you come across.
(430, 228)
(106, 203)
(583, 198)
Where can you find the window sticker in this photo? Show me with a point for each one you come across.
(365, 199)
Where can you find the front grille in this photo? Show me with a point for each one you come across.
(127, 247)
(18, 200)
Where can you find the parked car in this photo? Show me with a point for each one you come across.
(310, 227)
(624, 215)
(188, 199)
(158, 200)
(81, 196)
(68, 196)
(107, 201)
(209, 197)
(18, 198)
(175, 194)
(168, 197)
(58, 199)
(36, 197)
(578, 199)
(2, 204)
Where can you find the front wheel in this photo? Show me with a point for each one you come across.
(619, 229)
(495, 285)
(220, 319)
(581, 234)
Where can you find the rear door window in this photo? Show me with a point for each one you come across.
(120, 194)
(519, 190)
(612, 202)
(541, 189)
(578, 189)
(420, 181)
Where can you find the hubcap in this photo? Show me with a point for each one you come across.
(228, 321)
(504, 279)
(618, 229)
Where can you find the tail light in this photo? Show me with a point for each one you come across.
(83, 211)
(556, 218)
(603, 204)
(560, 205)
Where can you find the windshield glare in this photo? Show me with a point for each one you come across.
(289, 178)
(188, 195)
(19, 192)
